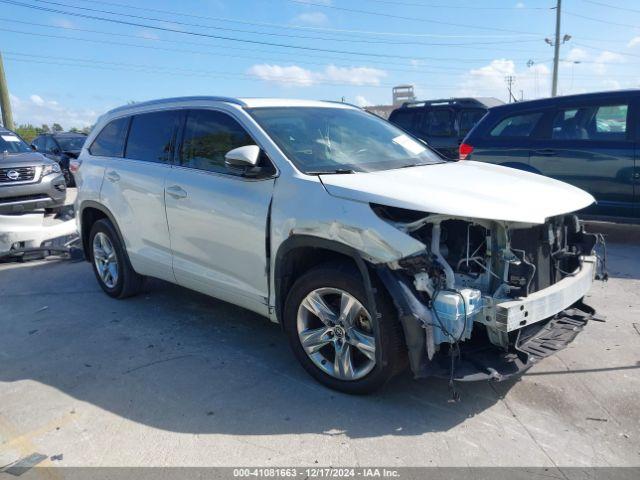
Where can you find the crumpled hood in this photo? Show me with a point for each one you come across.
(463, 189)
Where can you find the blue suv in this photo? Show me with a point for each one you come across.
(591, 141)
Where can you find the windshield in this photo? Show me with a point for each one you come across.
(11, 143)
(340, 140)
(70, 144)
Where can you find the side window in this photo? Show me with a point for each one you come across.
(439, 123)
(403, 118)
(468, 120)
(564, 124)
(151, 136)
(606, 122)
(39, 143)
(517, 125)
(208, 136)
(50, 146)
(110, 141)
(610, 122)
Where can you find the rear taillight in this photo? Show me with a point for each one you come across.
(464, 151)
(74, 165)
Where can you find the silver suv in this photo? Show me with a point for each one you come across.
(370, 250)
(28, 180)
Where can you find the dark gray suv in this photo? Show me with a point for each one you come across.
(28, 180)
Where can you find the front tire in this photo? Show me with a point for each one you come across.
(110, 263)
(334, 335)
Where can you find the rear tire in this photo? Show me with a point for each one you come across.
(340, 287)
(110, 262)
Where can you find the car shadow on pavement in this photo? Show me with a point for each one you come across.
(180, 361)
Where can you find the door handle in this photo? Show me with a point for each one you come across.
(177, 192)
(547, 152)
(113, 176)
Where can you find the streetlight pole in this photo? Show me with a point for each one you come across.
(556, 51)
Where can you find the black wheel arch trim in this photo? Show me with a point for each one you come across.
(308, 241)
(84, 233)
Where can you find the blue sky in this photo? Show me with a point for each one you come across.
(64, 66)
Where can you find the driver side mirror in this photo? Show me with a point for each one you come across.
(34, 148)
(242, 158)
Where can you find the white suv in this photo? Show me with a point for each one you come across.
(369, 249)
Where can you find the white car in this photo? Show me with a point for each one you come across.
(370, 250)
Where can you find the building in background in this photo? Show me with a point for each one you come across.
(400, 95)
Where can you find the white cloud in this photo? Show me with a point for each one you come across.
(490, 80)
(312, 18)
(577, 55)
(36, 100)
(361, 101)
(297, 76)
(62, 23)
(634, 42)
(38, 110)
(148, 35)
(611, 84)
(603, 61)
(290, 76)
(520, 5)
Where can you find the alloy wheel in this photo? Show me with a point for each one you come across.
(336, 332)
(105, 259)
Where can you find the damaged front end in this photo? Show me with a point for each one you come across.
(486, 299)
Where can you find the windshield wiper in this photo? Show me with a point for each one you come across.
(330, 172)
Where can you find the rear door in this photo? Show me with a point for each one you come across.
(589, 145)
(408, 118)
(508, 138)
(133, 190)
(438, 127)
(218, 218)
(467, 119)
(52, 149)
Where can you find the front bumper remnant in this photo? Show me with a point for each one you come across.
(489, 363)
(479, 358)
(511, 315)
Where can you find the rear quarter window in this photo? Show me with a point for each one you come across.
(403, 118)
(110, 140)
(521, 125)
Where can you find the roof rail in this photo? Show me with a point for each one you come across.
(480, 101)
(162, 101)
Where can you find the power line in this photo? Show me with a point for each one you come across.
(400, 17)
(206, 35)
(209, 53)
(608, 22)
(608, 5)
(332, 59)
(145, 68)
(460, 7)
(135, 67)
(273, 34)
(341, 31)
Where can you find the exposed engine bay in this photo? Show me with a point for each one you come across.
(488, 283)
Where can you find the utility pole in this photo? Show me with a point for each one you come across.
(5, 104)
(556, 51)
(510, 79)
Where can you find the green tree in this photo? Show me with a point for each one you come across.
(57, 127)
(28, 132)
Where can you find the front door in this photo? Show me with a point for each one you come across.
(218, 217)
(589, 147)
